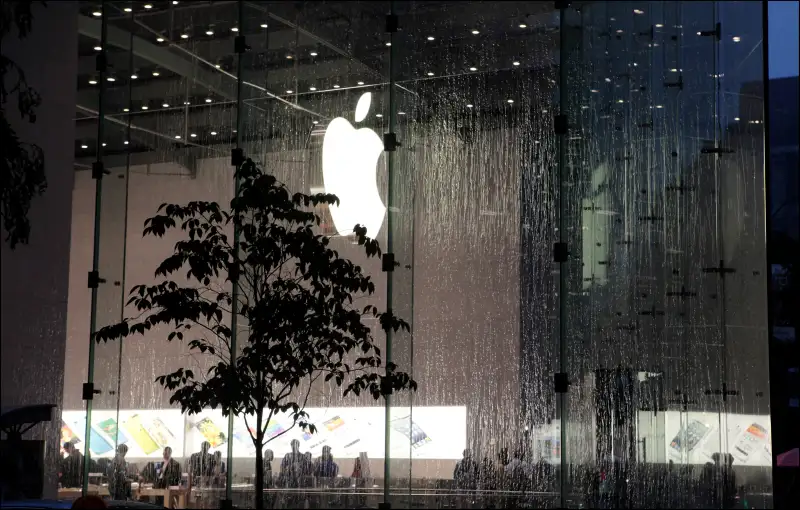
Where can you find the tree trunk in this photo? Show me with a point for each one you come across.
(259, 462)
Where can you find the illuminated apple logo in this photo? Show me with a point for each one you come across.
(349, 170)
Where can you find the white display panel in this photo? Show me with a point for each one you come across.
(434, 432)
(694, 437)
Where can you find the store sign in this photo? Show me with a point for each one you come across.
(349, 170)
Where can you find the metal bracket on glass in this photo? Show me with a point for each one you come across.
(101, 62)
(392, 23)
(390, 142)
(561, 382)
(237, 157)
(98, 170)
(387, 262)
(88, 391)
(94, 279)
(240, 45)
(560, 124)
(717, 32)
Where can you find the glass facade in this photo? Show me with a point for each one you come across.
(576, 207)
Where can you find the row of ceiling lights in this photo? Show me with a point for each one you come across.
(98, 12)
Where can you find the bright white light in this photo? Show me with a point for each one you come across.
(659, 106)
(620, 100)
(97, 14)
(134, 76)
(289, 57)
(125, 142)
(362, 107)
(193, 135)
(361, 83)
(379, 115)
(208, 100)
(288, 91)
(401, 113)
(213, 133)
(523, 25)
(737, 119)
(673, 70)
(430, 73)
(315, 122)
(235, 29)
(84, 146)
(659, 25)
(111, 78)
(186, 103)
(431, 38)
(218, 66)
(174, 2)
(737, 39)
(516, 63)
(104, 144)
(619, 31)
(595, 91)
(608, 80)
(510, 101)
(160, 39)
(313, 53)
(349, 170)
(638, 11)
(209, 32)
(184, 36)
(92, 81)
(156, 73)
(388, 44)
(476, 32)
(145, 107)
(473, 68)
(264, 25)
(312, 89)
(177, 137)
(97, 48)
(336, 86)
(148, 6)
(125, 110)
(165, 105)
(127, 9)
(469, 106)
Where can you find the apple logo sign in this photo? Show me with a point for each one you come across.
(349, 171)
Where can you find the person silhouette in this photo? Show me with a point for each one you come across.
(292, 466)
(465, 475)
(269, 456)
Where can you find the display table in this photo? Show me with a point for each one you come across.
(75, 492)
(174, 497)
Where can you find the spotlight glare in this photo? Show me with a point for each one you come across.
(379, 115)
(430, 73)
(213, 133)
(156, 73)
(92, 81)
(361, 83)
(312, 89)
(476, 32)
(148, 6)
(208, 100)
(431, 38)
(659, 25)
(165, 105)
(104, 144)
(523, 25)
(160, 39)
(126, 110)
(98, 48)
(401, 113)
(516, 62)
(336, 86)
(111, 78)
(469, 106)
(315, 122)
(473, 68)
(84, 146)
(388, 44)
(235, 29)
(737, 39)
(177, 137)
(186, 103)
(184, 36)
(288, 91)
(264, 25)
(510, 101)
(127, 9)
(97, 14)
(289, 57)
(134, 76)
(145, 107)
(125, 142)
(193, 135)
(209, 32)
(313, 53)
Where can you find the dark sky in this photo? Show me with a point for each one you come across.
(783, 39)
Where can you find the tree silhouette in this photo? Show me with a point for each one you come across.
(23, 163)
(294, 308)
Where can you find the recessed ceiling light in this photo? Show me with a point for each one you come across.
(209, 32)
(361, 83)
(84, 146)
(289, 57)
(379, 115)
(235, 29)
(126, 110)
(156, 73)
(638, 11)
(289, 91)
(186, 103)
(473, 68)
(148, 6)
(659, 25)
(97, 14)
(523, 25)
(213, 133)
(608, 80)
(594, 91)
(127, 9)
(184, 36)
(736, 119)
(737, 39)
(315, 122)
(134, 76)
(165, 105)
(401, 113)
(312, 89)
(208, 100)
(516, 63)
(193, 135)
(174, 2)
(469, 106)
(264, 25)
(92, 81)
(125, 142)
(145, 107)
(659, 106)
(313, 53)
(476, 32)
(160, 39)
(111, 78)
(218, 66)
(510, 101)
(620, 100)
(619, 31)
(388, 44)
(430, 73)
(431, 38)
(104, 144)
(97, 48)
(177, 137)
(336, 86)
